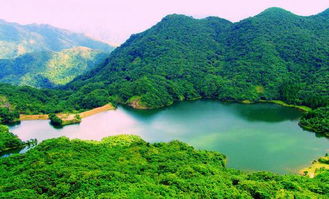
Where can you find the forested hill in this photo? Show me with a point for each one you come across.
(274, 55)
(128, 167)
(48, 69)
(44, 56)
(16, 39)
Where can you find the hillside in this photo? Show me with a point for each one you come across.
(274, 55)
(16, 40)
(9, 141)
(44, 56)
(48, 69)
(128, 167)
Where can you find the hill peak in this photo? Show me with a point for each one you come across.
(325, 13)
(175, 17)
(276, 11)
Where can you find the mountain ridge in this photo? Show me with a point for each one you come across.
(45, 69)
(22, 48)
(182, 58)
(18, 39)
(257, 52)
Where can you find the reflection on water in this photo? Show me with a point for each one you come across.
(266, 113)
(254, 137)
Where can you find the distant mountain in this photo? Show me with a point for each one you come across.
(16, 40)
(45, 56)
(274, 55)
(48, 69)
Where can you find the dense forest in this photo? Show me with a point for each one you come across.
(9, 141)
(44, 56)
(274, 55)
(17, 40)
(28, 100)
(317, 121)
(127, 167)
(48, 69)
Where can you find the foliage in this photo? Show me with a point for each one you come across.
(16, 40)
(8, 141)
(28, 100)
(8, 117)
(54, 120)
(49, 69)
(324, 159)
(317, 120)
(44, 56)
(274, 55)
(128, 167)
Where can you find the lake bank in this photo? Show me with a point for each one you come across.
(134, 106)
(282, 103)
(68, 116)
(316, 167)
(247, 134)
(94, 111)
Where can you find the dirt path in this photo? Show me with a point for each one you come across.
(97, 110)
(69, 116)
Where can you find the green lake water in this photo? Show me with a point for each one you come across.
(253, 137)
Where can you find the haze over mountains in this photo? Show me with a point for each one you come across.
(45, 56)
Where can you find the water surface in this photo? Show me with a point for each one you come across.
(253, 137)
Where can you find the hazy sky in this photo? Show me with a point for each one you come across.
(115, 20)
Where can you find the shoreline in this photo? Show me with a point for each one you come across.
(315, 167)
(310, 171)
(24, 117)
(84, 114)
(282, 103)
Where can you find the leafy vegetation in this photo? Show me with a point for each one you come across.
(274, 55)
(8, 141)
(28, 100)
(49, 69)
(8, 117)
(60, 120)
(317, 121)
(325, 159)
(318, 167)
(55, 120)
(45, 56)
(127, 167)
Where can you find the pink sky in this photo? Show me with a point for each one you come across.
(115, 21)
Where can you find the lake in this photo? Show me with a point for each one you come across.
(253, 137)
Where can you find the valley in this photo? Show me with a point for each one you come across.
(189, 108)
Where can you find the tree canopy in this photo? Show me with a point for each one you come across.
(127, 167)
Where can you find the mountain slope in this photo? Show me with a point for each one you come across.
(16, 39)
(274, 55)
(48, 69)
(45, 56)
